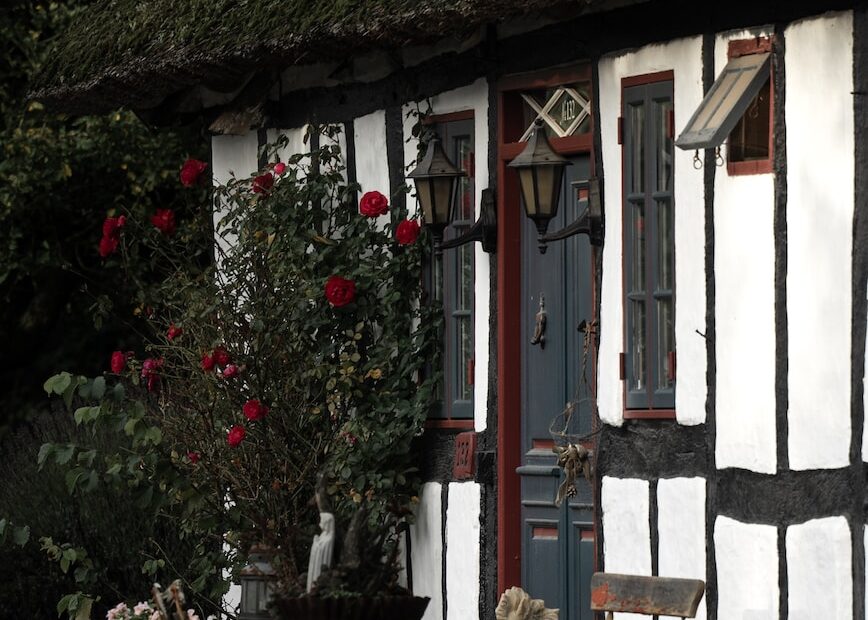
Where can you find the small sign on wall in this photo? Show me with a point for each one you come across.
(464, 463)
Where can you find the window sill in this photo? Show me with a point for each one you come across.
(743, 168)
(450, 424)
(649, 414)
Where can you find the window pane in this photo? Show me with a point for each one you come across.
(665, 341)
(665, 246)
(749, 141)
(637, 155)
(464, 277)
(637, 344)
(565, 110)
(465, 345)
(464, 156)
(637, 280)
(664, 147)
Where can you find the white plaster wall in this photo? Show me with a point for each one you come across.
(473, 97)
(684, 57)
(744, 268)
(426, 550)
(747, 570)
(819, 570)
(231, 157)
(681, 531)
(819, 116)
(372, 166)
(462, 551)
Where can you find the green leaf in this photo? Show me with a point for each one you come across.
(21, 535)
(97, 391)
(80, 415)
(44, 451)
(84, 607)
(130, 426)
(64, 454)
(119, 392)
(63, 604)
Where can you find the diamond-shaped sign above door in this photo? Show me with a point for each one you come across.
(564, 111)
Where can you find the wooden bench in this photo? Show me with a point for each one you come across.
(653, 596)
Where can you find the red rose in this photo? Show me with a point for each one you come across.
(373, 204)
(173, 332)
(191, 171)
(207, 363)
(407, 232)
(254, 410)
(235, 436)
(279, 168)
(194, 457)
(340, 291)
(164, 220)
(221, 357)
(119, 362)
(112, 225)
(108, 246)
(263, 183)
(230, 372)
(151, 371)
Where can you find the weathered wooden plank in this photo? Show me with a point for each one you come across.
(646, 595)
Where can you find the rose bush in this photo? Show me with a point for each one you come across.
(285, 373)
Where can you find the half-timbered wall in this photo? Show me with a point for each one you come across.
(757, 486)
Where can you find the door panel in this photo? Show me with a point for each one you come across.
(557, 542)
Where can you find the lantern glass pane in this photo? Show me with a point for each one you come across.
(443, 187)
(525, 177)
(423, 193)
(549, 189)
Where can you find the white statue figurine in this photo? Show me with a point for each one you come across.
(322, 548)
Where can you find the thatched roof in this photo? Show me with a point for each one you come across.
(136, 53)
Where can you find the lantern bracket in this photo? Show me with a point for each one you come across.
(590, 222)
(483, 229)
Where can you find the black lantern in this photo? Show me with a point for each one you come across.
(435, 178)
(540, 172)
(256, 590)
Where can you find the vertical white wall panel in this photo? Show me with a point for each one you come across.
(462, 551)
(684, 57)
(231, 156)
(744, 268)
(473, 97)
(626, 529)
(426, 550)
(681, 531)
(819, 116)
(747, 570)
(819, 570)
(372, 166)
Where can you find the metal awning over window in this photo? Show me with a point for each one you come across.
(726, 102)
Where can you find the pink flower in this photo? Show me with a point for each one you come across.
(235, 436)
(230, 372)
(263, 183)
(151, 371)
(221, 357)
(173, 332)
(119, 362)
(207, 363)
(191, 614)
(373, 204)
(191, 171)
(141, 608)
(254, 410)
(407, 232)
(117, 612)
(164, 220)
(194, 457)
(340, 291)
(279, 168)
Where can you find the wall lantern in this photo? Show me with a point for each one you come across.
(540, 172)
(436, 179)
(256, 580)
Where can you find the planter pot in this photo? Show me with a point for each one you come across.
(381, 608)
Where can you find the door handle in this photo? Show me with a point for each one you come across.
(539, 332)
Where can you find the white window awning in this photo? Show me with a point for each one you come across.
(726, 102)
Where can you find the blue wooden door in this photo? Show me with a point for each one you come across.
(557, 541)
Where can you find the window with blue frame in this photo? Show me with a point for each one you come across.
(649, 245)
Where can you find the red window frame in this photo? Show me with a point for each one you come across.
(746, 47)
